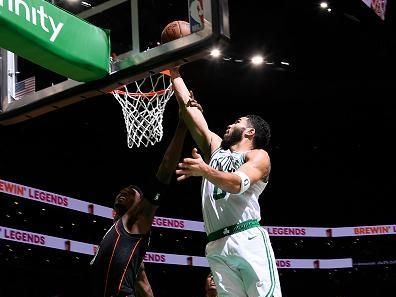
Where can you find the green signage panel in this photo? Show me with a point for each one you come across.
(53, 38)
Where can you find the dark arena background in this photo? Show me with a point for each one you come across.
(327, 88)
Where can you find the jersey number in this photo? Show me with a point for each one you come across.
(219, 193)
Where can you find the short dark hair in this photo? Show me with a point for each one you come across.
(262, 135)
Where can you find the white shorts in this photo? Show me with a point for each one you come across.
(243, 265)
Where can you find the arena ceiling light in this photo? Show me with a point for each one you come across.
(324, 5)
(215, 53)
(257, 60)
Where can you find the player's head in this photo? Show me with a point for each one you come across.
(252, 127)
(210, 286)
(262, 134)
(127, 198)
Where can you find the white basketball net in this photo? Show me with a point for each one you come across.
(143, 106)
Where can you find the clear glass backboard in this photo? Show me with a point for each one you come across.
(29, 90)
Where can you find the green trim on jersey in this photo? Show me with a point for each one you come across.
(233, 229)
(270, 265)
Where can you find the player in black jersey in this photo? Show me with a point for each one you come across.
(118, 264)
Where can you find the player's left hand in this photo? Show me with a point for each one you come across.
(193, 102)
(194, 166)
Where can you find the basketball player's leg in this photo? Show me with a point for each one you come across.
(228, 280)
(258, 265)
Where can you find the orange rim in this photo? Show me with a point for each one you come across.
(148, 94)
(166, 72)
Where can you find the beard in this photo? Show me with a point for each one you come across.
(231, 139)
(120, 209)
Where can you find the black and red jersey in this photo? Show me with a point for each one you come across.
(117, 261)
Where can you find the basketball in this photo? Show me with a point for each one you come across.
(175, 30)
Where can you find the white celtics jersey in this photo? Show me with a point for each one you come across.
(221, 209)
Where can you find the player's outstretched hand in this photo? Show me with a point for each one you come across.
(175, 72)
(193, 102)
(194, 166)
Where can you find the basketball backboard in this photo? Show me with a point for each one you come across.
(29, 90)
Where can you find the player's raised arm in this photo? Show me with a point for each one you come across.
(154, 192)
(206, 140)
(172, 154)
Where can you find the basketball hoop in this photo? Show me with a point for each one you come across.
(143, 104)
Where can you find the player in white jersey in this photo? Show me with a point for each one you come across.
(239, 251)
